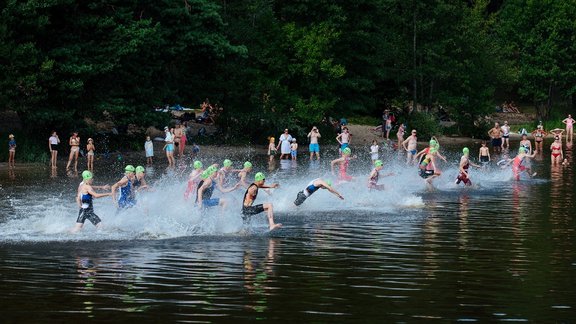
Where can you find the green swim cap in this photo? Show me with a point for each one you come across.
(378, 163)
(86, 175)
(465, 150)
(212, 169)
(522, 149)
(205, 174)
(259, 177)
(247, 165)
(197, 165)
(346, 151)
(433, 142)
(129, 168)
(329, 182)
(227, 163)
(140, 169)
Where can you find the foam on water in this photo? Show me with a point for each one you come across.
(163, 213)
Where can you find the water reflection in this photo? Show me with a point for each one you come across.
(463, 220)
(258, 276)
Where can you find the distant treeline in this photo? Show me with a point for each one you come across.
(296, 61)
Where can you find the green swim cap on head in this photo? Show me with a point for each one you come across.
(247, 165)
(329, 182)
(86, 175)
(465, 150)
(206, 174)
(212, 169)
(347, 151)
(259, 177)
(522, 150)
(197, 165)
(227, 163)
(433, 142)
(129, 168)
(140, 169)
(378, 163)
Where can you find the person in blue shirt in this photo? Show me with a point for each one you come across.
(126, 188)
(11, 150)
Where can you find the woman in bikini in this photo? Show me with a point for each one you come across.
(556, 155)
(569, 121)
(90, 155)
(539, 133)
(74, 142)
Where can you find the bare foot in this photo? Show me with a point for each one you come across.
(275, 226)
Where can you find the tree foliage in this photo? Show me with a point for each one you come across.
(62, 61)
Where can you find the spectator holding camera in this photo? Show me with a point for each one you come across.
(314, 135)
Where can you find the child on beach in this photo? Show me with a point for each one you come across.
(484, 154)
(149, 148)
(374, 151)
(294, 149)
(90, 153)
(271, 148)
(11, 150)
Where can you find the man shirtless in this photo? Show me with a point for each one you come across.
(409, 145)
(495, 134)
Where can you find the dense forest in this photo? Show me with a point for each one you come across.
(288, 63)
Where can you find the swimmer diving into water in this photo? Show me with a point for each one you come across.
(250, 195)
(312, 187)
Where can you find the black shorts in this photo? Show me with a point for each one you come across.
(54, 147)
(426, 173)
(300, 198)
(252, 210)
(484, 158)
(496, 142)
(88, 214)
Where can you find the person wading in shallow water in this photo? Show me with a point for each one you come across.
(248, 209)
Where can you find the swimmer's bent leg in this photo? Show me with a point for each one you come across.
(88, 214)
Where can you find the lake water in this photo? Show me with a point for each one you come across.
(500, 251)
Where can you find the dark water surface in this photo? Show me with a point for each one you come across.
(502, 251)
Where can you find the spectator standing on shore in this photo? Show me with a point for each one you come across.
(344, 138)
(569, 121)
(505, 135)
(11, 150)
(149, 148)
(169, 146)
(90, 148)
(53, 142)
(314, 147)
(74, 142)
(387, 119)
(271, 148)
(284, 142)
(294, 149)
(495, 134)
(400, 135)
(409, 146)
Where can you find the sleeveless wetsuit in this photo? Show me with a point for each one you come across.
(344, 168)
(126, 199)
(425, 172)
(207, 200)
(462, 176)
(87, 210)
(249, 210)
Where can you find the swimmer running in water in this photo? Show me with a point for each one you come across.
(84, 198)
(465, 164)
(343, 163)
(243, 174)
(519, 163)
(250, 195)
(125, 186)
(193, 179)
(375, 175)
(428, 167)
(312, 187)
(206, 189)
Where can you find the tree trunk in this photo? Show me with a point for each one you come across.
(414, 81)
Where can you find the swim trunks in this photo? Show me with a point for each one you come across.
(496, 142)
(169, 147)
(343, 146)
(293, 153)
(314, 148)
(413, 152)
(54, 147)
(484, 158)
(426, 173)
